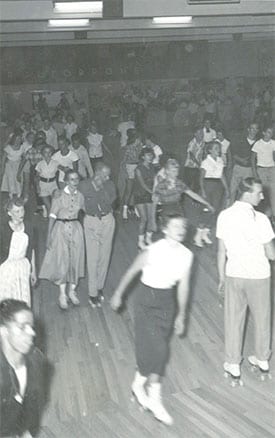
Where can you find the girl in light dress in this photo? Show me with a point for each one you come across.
(17, 261)
(12, 155)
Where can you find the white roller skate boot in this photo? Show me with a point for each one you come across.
(233, 371)
(156, 406)
(260, 366)
(138, 390)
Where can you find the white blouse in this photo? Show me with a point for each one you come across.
(166, 264)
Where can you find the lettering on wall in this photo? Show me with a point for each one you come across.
(92, 63)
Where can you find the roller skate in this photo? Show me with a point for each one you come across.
(233, 372)
(138, 391)
(260, 368)
(155, 405)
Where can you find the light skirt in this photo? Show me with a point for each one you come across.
(15, 280)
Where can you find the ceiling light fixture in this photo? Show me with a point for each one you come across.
(172, 20)
(94, 8)
(69, 23)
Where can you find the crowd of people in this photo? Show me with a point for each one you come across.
(82, 180)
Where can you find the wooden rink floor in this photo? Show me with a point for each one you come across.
(92, 353)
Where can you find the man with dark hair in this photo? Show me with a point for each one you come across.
(241, 151)
(99, 225)
(246, 244)
(22, 372)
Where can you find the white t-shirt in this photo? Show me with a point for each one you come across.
(66, 161)
(166, 264)
(47, 170)
(213, 168)
(95, 145)
(51, 137)
(70, 129)
(264, 151)
(123, 128)
(244, 232)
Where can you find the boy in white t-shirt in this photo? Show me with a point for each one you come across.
(66, 159)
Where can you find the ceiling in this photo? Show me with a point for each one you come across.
(25, 22)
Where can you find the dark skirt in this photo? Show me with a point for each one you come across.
(154, 320)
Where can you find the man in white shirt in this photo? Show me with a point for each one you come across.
(209, 134)
(84, 166)
(263, 165)
(123, 128)
(245, 246)
(95, 147)
(51, 135)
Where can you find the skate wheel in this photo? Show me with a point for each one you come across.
(225, 374)
(241, 383)
(253, 368)
(270, 376)
(132, 399)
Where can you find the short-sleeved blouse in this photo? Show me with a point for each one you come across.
(166, 264)
(67, 205)
(213, 168)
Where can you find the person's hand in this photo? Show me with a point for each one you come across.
(210, 208)
(179, 325)
(26, 435)
(221, 293)
(48, 243)
(33, 279)
(116, 302)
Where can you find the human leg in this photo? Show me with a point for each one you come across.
(235, 307)
(92, 227)
(104, 249)
(259, 302)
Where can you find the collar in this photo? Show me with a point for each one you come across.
(66, 190)
(244, 206)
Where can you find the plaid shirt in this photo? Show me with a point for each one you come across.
(33, 156)
(169, 191)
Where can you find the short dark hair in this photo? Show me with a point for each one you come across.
(17, 202)
(167, 217)
(75, 136)
(146, 150)
(9, 307)
(68, 173)
(246, 185)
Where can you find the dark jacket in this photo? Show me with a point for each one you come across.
(16, 418)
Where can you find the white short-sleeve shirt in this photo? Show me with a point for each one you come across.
(166, 264)
(66, 161)
(264, 151)
(213, 168)
(95, 145)
(47, 170)
(244, 232)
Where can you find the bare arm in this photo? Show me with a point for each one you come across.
(50, 227)
(130, 274)
(182, 297)
(202, 175)
(254, 164)
(270, 250)
(198, 198)
(221, 260)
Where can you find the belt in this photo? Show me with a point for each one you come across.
(47, 180)
(99, 216)
(67, 220)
